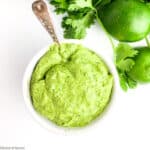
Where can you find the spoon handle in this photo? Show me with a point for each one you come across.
(39, 8)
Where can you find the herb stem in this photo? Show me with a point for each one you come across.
(108, 35)
(97, 3)
(147, 41)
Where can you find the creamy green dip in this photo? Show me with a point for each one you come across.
(70, 85)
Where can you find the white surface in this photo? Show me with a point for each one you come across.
(126, 126)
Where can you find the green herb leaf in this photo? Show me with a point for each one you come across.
(126, 81)
(124, 51)
(80, 4)
(123, 80)
(61, 6)
(75, 25)
(125, 64)
(131, 83)
(124, 55)
(80, 15)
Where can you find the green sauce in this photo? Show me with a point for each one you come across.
(70, 85)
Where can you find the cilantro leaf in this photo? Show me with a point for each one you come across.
(124, 51)
(61, 6)
(76, 5)
(126, 81)
(75, 25)
(123, 80)
(125, 64)
(124, 57)
(131, 83)
(80, 15)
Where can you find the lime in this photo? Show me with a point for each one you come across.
(141, 70)
(126, 20)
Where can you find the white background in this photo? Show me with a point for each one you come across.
(126, 126)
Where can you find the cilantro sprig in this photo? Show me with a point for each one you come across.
(124, 60)
(79, 15)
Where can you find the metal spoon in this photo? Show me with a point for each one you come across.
(39, 8)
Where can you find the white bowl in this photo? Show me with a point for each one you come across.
(26, 92)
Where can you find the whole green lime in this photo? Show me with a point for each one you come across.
(126, 20)
(141, 70)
